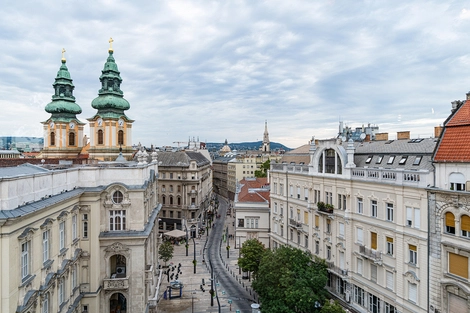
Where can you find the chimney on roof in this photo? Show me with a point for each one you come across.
(438, 131)
(457, 103)
(381, 136)
(403, 135)
(367, 139)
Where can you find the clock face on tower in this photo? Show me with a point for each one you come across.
(100, 122)
(52, 125)
(120, 122)
(72, 125)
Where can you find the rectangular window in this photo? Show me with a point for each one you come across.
(317, 195)
(373, 240)
(306, 193)
(317, 221)
(389, 280)
(61, 235)
(413, 254)
(374, 303)
(275, 228)
(403, 160)
(465, 226)
(74, 276)
(373, 272)
(306, 217)
(281, 189)
(45, 246)
(412, 292)
(291, 235)
(341, 229)
(317, 247)
(282, 210)
(360, 206)
(275, 207)
(413, 217)
(61, 295)
(328, 252)
(85, 225)
(25, 259)
(74, 227)
(298, 238)
(298, 192)
(359, 266)
(328, 225)
(341, 202)
(417, 160)
(389, 245)
(458, 265)
(282, 231)
(390, 308)
(306, 241)
(360, 235)
(390, 212)
(117, 220)
(291, 191)
(274, 188)
(359, 295)
(373, 208)
(379, 159)
(329, 197)
(241, 222)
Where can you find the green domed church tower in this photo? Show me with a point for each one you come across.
(110, 128)
(63, 132)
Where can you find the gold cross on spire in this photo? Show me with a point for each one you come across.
(63, 54)
(110, 44)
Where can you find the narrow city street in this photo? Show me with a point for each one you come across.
(229, 288)
(233, 294)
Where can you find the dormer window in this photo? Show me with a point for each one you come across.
(391, 159)
(417, 160)
(379, 159)
(403, 160)
(369, 158)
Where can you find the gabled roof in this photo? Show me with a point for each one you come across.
(254, 190)
(181, 158)
(454, 145)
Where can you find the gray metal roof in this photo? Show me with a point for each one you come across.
(181, 158)
(23, 169)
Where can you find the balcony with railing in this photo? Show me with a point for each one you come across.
(325, 208)
(398, 176)
(290, 167)
(294, 223)
(332, 268)
(371, 254)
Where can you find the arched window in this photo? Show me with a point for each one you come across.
(457, 181)
(45, 303)
(163, 199)
(52, 139)
(450, 223)
(465, 225)
(330, 161)
(71, 139)
(120, 137)
(171, 200)
(179, 200)
(100, 137)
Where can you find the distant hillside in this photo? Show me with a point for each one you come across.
(215, 146)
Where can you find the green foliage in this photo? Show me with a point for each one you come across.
(166, 251)
(251, 252)
(289, 280)
(332, 307)
(263, 171)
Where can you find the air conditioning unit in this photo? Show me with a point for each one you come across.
(121, 270)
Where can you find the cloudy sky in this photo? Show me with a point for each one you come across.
(218, 69)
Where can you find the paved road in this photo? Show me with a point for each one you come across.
(242, 300)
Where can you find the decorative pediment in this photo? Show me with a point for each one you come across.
(75, 208)
(341, 245)
(49, 283)
(27, 233)
(29, 302)
(47, 223)
(62, 216)
(411, 277)
(117, 248)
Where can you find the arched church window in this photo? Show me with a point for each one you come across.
(52, 139)
(100, 137)
(120, 137)
(71, 139)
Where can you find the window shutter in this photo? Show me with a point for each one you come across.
(417, 218)
(409, 216)
(389, 239)
(465, 223)
(305, 217)
(412, 292)
(389, 280)
(373, 241)
(458, 265)
(450, 220)
(413, 248)
(360, 237)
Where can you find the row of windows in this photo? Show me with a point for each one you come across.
(374, 304)
(71, 139)
(171, 214)
(171, 175)
(46, 305)
(250, 222)
(391, 159)
(464, 225)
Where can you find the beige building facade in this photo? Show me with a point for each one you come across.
(361, 206)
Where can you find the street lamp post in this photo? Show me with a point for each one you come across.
(194, 259)
(228, 243)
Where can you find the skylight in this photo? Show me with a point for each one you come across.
(417, 160)
(403, 160)
(391, 159)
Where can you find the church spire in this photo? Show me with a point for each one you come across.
(63, 106)
(110, 100)
(266, 147)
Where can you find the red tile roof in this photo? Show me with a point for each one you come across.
(259, 196)
(454, 145)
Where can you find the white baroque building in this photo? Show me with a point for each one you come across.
(79, 239)
(361, 206)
